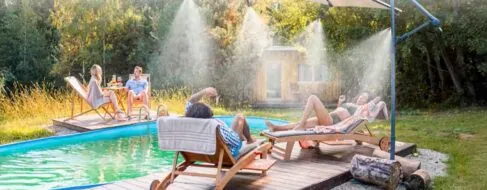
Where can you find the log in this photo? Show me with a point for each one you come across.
(382, 172)
(408, 166)
(418, 180)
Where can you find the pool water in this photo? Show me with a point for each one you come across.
(90, 158)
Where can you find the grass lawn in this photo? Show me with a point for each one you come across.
(462, 134)
(449, 132)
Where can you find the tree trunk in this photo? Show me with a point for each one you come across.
(440, 72)
(382, 172)
(453, 75)
(430, 75)
(461, 69)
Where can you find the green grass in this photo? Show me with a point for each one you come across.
(26, 116)
(467, 165)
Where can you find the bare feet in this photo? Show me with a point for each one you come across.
(270, 126)
(120, 116)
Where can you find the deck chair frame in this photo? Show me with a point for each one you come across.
(81, 99)
(354, 135)
(221, 160)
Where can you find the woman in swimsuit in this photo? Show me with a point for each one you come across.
(361, 108)
(364, 108)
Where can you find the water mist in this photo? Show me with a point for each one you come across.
(369, 64)
(186, 50)
(240, 74)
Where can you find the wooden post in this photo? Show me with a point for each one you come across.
(289, 150)
(382, 172)
(72, 104)
(219, 174)
(173, 170)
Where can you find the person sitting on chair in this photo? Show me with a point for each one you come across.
(233, 136)
(137, 90)
(97, 96)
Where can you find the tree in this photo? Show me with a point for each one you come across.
(28, 51)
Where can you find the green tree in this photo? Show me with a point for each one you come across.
(27, 51)
(114, 34)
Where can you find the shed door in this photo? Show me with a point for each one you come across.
(273, 81)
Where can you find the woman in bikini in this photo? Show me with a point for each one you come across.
(362, 108)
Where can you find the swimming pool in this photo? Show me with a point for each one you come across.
(90, 158)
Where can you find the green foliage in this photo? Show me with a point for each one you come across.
(2, 84)
(48, 39)
(27, 52)
(114, 34)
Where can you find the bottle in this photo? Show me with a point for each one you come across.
(114, 80)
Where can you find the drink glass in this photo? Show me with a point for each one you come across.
(119, 81)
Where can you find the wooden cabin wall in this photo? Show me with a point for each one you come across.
(261, 83)
(328, 91)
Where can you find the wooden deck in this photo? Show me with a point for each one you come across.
(322, 168)
(93, 122)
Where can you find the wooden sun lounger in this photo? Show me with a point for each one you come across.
(290, 137)
(80, 91)
(222, 159)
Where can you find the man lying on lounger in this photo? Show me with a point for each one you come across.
(233, 136)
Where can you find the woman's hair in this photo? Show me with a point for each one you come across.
(96, 72)
(199, 110)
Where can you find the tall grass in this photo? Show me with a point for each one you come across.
(173, 99)
(26, 111)
(39, 100)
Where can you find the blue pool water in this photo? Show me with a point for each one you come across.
(90, 158)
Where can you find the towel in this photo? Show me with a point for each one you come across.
(343, 127)
(346, 126)
(187, 134)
